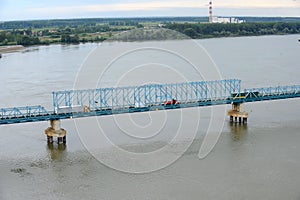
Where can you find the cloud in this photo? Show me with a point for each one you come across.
(141, 6)
(164, 5)
(33, 9)
(258, 4)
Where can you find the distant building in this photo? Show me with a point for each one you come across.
(227, 20)
(53, 31)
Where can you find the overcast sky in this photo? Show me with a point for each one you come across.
(53, 9)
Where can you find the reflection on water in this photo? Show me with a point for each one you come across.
(238, 130)
(57, 151)
(30, 49)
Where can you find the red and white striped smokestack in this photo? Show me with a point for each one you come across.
(210, 12)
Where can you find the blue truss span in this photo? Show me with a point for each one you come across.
(23, 114)
(117, 100)
(267, 93)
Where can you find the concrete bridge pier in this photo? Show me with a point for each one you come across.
(237, 115)
(56, 131)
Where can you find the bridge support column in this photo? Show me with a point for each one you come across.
(237, 114)
(56, 131)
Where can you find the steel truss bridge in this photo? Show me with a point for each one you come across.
(117, 100)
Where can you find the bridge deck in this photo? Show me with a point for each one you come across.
(111, 101)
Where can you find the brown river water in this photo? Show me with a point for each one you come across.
(260, 160)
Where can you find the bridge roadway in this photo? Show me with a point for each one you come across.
(153, 97)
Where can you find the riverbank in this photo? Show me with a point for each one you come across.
(10, 49)
(135, 31)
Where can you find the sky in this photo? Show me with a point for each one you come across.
(57, 9)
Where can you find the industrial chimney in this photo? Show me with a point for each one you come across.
(210, 12)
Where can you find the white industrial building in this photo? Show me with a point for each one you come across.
(226, 20)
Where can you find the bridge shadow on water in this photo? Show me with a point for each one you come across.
(238, 130)
(56, 151)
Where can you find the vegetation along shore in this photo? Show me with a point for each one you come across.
(43, 32)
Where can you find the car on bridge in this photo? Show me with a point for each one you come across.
(172, 102)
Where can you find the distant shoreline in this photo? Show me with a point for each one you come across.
(18, 48)
(11, 48)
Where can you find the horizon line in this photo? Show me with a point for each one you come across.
(137, 17)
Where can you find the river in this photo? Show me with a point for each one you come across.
(259, 160)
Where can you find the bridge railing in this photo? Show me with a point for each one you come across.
(279, 90)
(22, 112)
(268, 92)
(142, 96)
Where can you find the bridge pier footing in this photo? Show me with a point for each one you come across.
(237, 115)
(56, 131)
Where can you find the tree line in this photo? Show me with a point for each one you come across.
(74, 23)
(205, 30)
(67, 34)
(98, 33)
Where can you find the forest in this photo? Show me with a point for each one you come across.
(88, 22)
(75, 35)
(75, 31)
(201, 30)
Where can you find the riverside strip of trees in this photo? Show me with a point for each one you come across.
(96, 30)
(198, 31)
